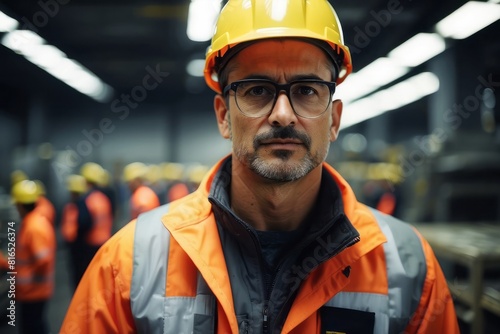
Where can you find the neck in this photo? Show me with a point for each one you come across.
(273, 206)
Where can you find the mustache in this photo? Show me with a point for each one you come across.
(287, 132)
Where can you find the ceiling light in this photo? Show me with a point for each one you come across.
(394, 97)
(7, 23)
(371, 77)
(469, 19)
(24, 42)
(195, 67)
(201, 19)
(418, 49)
(49, 58)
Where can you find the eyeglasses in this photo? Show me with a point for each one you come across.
(257, 97)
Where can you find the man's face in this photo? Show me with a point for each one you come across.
(280, 146)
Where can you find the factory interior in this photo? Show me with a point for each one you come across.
(116, 82)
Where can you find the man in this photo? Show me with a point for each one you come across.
(176, 186)
(143, 197)
(273, 240)
(44, 205)
(76, 186)
(95, 218)
(35, 260)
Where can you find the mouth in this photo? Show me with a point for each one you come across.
(287, 143)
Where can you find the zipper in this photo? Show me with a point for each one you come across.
(265, 309)
(265, 319)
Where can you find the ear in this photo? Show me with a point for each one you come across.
(336, 116)
(222, 114)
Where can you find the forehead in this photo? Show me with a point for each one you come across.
(280, 58)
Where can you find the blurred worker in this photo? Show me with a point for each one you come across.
(156, 182)
(95, 219)
(76, 186)
(17, 175)
(176, 187)
(274, 239)
(195, 175)
(35, 260)
(104, 184)
(143, 197)
(44, 205)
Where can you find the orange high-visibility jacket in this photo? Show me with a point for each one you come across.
(99, 207)
(176, 191)
(69, 222)
(177, 281)
(46, 208)
(143, 199)
(35, 258)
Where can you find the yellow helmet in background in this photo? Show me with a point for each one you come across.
(17, 176)
(250, 20)
(41, 187)
(25, 192)
(105, 178)
(154, 173)
(76, 183)
(134, 170)
(92, 172)
(196, 173)
(173, 171)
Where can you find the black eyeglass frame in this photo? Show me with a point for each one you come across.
(279, 88)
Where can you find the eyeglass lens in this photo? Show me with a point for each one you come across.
(257, 97)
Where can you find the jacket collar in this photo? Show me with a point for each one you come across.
(192, 223)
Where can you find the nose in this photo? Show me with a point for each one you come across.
(282, 113)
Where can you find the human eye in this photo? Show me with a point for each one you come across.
(309, 89)
(256, 89)
(304, 89)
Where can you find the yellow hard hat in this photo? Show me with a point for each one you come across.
(250, 20)
(76, 183)
(134, 170)
(154, 173)
(25, 192)
(196, 173)
(17, 176)
(92, 172)
(40, 186)
(105, 177)
(173, 171)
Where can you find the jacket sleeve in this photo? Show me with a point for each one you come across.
(436, 311)
(101, 303)
(42, 244)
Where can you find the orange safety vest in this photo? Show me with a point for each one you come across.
(46, 208)
(69, 222)
(387, 203)
(35, 258)
(143, 199)
(193, 250)
(177, 191)
(99, 207)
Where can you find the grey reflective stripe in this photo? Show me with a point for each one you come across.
(406, 271)
(35, 279)
(153, 312)
(147, 289)
(36, 257)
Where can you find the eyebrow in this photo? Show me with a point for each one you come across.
(296, 77)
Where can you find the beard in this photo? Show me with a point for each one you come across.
(283, 168)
